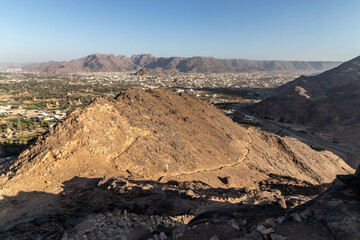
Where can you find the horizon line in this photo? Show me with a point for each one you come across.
(249, 59)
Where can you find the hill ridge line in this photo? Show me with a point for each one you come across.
(197, 64)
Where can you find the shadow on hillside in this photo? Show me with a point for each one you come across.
(14, 148)
(351, 158)
(40, 215)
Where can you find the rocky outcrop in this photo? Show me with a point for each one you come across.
(128, 209)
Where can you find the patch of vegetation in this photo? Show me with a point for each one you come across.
(247, 125)
(21, 139)
(20, 124)
(13, 147)
(33, 106)
(223, 105)
(319, 149)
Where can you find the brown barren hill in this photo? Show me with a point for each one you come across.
(159, 135)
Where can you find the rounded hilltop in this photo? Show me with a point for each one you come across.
(160, 135)
(155, 151)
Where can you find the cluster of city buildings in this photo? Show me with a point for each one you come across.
(198, 80)
(36, 114)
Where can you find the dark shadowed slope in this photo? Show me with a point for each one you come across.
(329, 103)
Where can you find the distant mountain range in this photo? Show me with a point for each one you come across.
(111, 63)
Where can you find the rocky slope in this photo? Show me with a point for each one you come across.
(111, 63)
(316, 219)
(153, 137)
(128, 209)
(328, 103)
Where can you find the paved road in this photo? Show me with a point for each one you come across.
(302, 135)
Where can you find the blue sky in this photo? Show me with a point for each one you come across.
(42, 30)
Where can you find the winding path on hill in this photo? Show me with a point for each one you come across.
(241, 160)
(325, 143)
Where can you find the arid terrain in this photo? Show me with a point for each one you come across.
(162, 165)
(326, 104)
(179, 120)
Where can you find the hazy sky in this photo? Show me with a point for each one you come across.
(42, 30)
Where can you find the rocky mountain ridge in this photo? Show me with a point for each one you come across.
(326, 103)
(111, 63)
